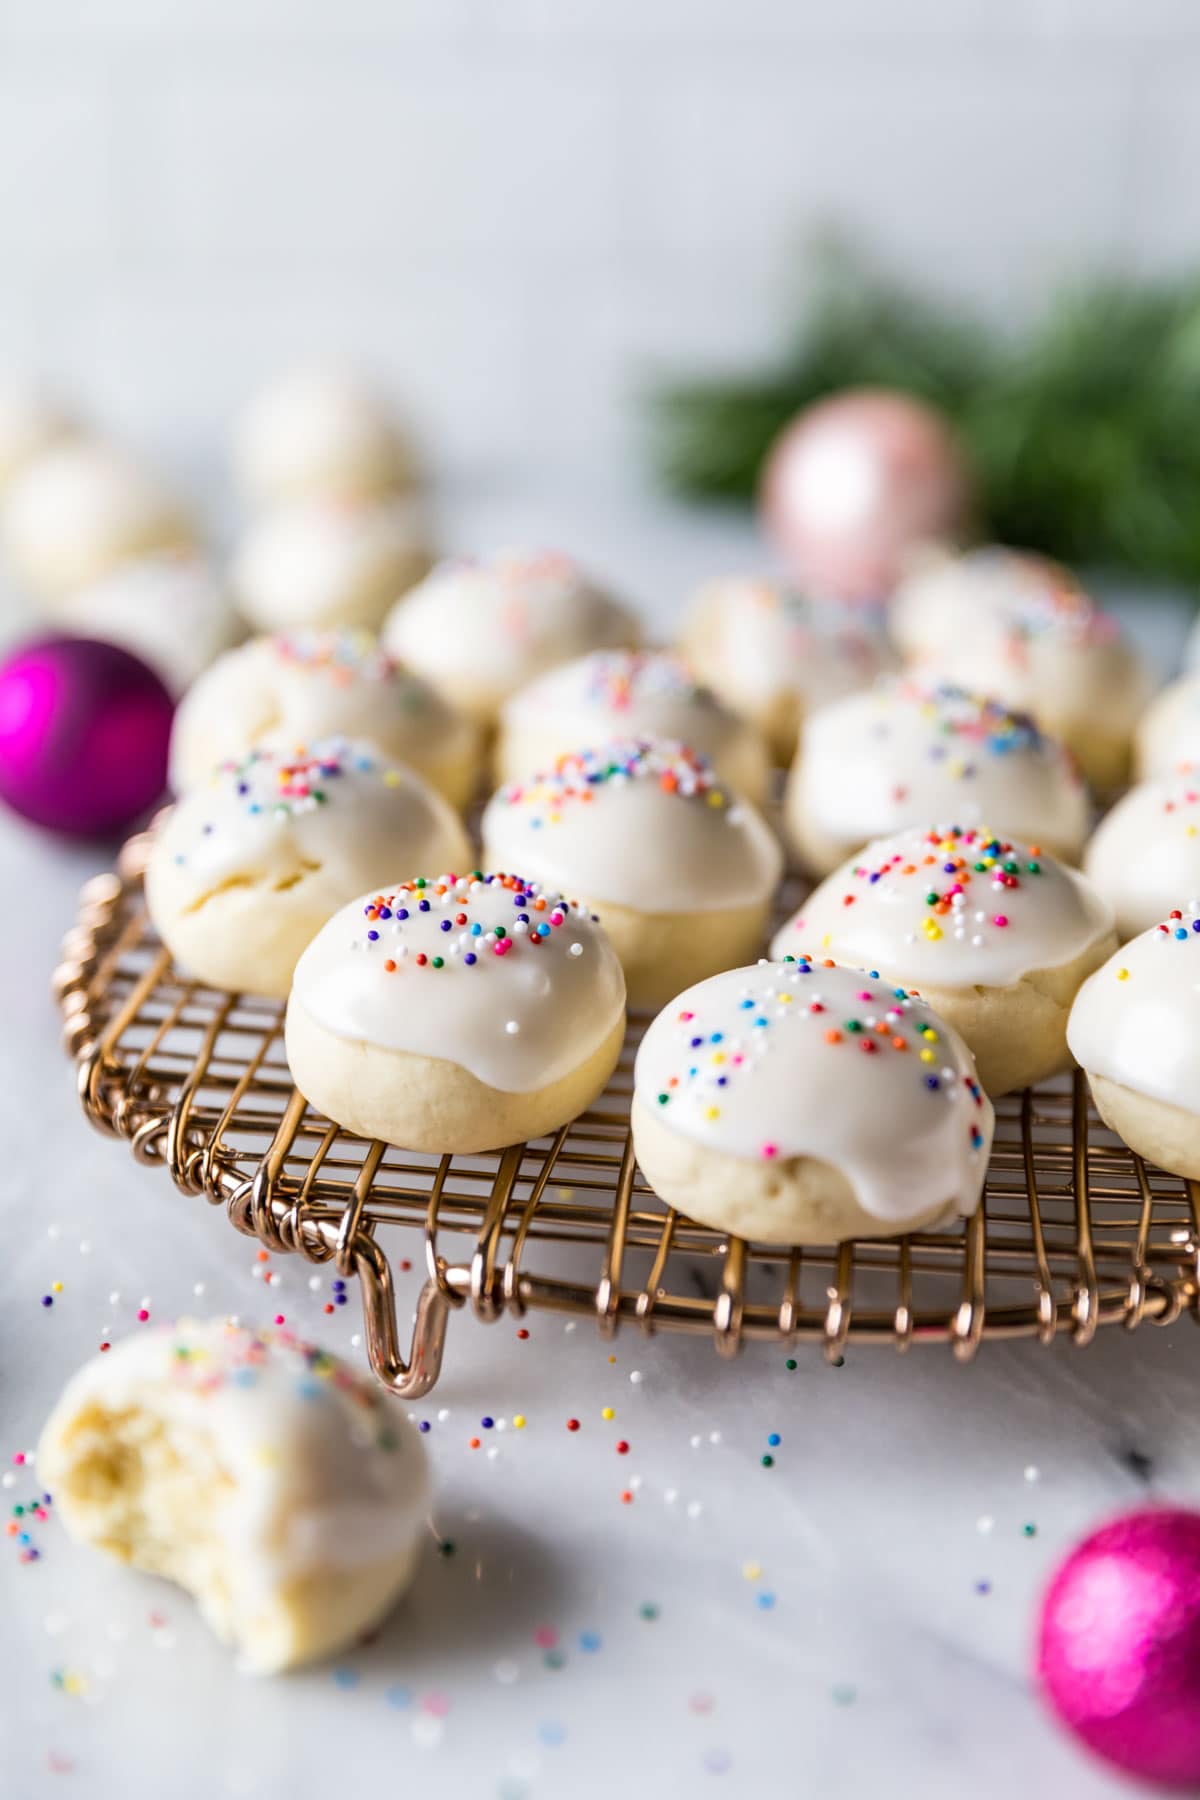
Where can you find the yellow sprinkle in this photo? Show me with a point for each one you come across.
(927, 1056)
(786, 999)
(933, 930)
(518, 1421)
(715, 797)
(712, 1112)
(718, 1056)
(827, 940)
(1122, 974)
(606, 1412)
(1190, 831)
(56, 1287)
(391, 778)
(751, 1570)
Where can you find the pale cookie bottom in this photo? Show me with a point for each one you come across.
(154, 1498)
(525, 750)
(1018, 1034)
(427, 1103)
(663, 953)
(800, 1201)
(362, 602)
(1158, 1131)
(1105, 757)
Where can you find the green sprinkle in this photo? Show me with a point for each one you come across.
(768, 1462)
(1030, 1530)
(554, 1659)
(853, 1025)
(790, 1363)
(1035, 868)
(663, 1098)
(439, 962)
(648, 1610)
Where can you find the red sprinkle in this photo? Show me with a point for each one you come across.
(572, 1424)
(622, 1447)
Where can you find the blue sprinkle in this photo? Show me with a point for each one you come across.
(746, 1004)
(373, 936)
(398, 1696)
(1180, 932)
(402, 912)
(487, 1421)
(338, 1285)
(423, 906)
(696, 1042)
(470, 957)
(931, 1081)
(765, 1601)
(346, 1678)
(590, 1640)
(424, 1425)
(773, 1437)
(477, 930)
(446, 925)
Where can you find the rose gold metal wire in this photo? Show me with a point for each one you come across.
(1074, 1232)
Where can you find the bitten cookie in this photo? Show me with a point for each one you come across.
(317, 432)
(284, 1492)
(1020, 627)
(996, 936)
(328, 562)
(298, 686)
(1168, 733)
(627, 694)
(800, 1103)
(247, 867)
(1135, 1029)
(1145, 853)
(456, 1014)
(902, 754)
(680, 871)
(171, 609)
(479, 628)
(775, 656)
(78, 510)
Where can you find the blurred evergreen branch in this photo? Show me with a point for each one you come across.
(1084, 431)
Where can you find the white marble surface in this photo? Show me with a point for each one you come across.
(861, 1657)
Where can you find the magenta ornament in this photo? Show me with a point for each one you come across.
(856, 485)
(83, 735)
(1119, 1644)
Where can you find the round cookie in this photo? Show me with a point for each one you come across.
(996, 936)
(1020, 627)
(456, 1014)
(775, 656)
(298, 686)
(622, 694)
(328, 562)
(481, 628)
(802, 1103)
(316, 432)
(1145, 853)
(1168, 733)
(31, 420)
(282, 1490)
(170, 608)
(903, 753)
(1135, 1029)
(81, 508)
(247, 868)
(680, 871)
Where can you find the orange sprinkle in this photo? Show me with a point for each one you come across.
(390, 966)
(833, 1037)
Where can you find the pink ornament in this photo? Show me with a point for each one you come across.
(83, 735)
(854, 485)
(1119, 1646)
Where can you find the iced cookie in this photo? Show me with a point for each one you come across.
(1145, 854)
(1168, 733)
(317, 432)
(328, 562)
(996, 936)
(902, 754)
(627, 694)
(480, 628)
(283, 1491)
(248, 866)
(680, 871)
(298, 686)
(775, 656)
(170, 608)
(797, 1102)
(1135, 1029)
(81, 508)
(1020, 627)
(456, 1014)
(31, 420)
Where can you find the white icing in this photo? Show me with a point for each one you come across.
(621, 694)
(337, 812)
(1168, 735)
(565, 994)
(988, 927)
(640, 823)
(298, 686)
(1136, 1021)
(902, 754)
(909, 1127)
(83, 505)
(1145, 855)
(758, 641)
(325, 1472)
(494, 623)
(310, 562)
(319, 429)
(171, 609)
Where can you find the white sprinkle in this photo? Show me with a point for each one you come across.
(356, 1341)
(1032, 1472)
(984, 1524)
(694, 1509)
(695, 1441)
(198, 1289)
(512, 1027)
(114, 1299)
(8, 1479)
(53, 1231)
(314, 1284)
(635, 1375)
(443, 1415)
(670, 1495)
(506, 1671)
(576, 950)
(85, 1249)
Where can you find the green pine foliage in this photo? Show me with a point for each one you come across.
(1084, 431)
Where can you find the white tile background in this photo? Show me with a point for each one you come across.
(515, 209)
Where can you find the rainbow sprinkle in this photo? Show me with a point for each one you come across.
(466, 941)
(575, 777)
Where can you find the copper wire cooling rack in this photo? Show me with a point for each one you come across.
(1074, 1231)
